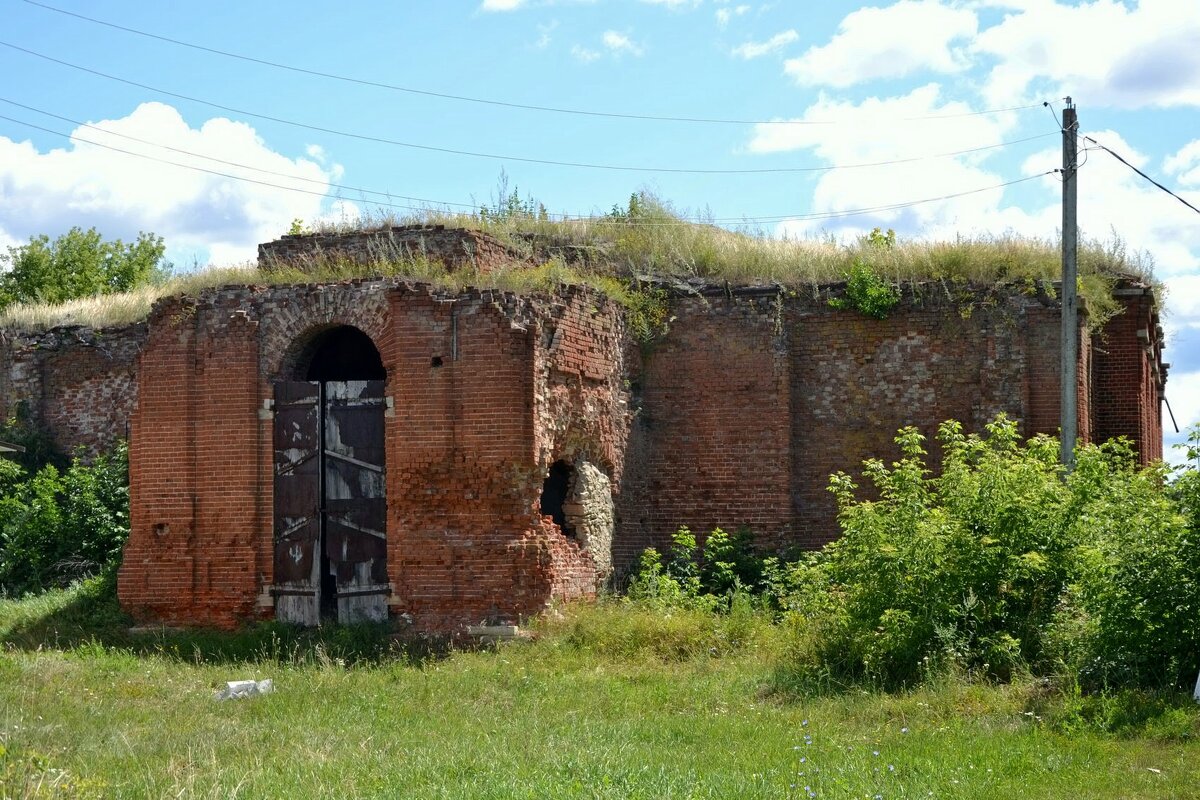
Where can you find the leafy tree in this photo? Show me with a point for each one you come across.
(78, 263)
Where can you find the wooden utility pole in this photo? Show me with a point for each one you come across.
(1070, 302)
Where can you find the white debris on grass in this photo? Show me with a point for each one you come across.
(236, 690)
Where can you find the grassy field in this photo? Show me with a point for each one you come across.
(609, 701)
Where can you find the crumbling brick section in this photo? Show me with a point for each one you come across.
(469, 380)
(77, 383)
(1129, 376)
(456, 248)
(754, 397)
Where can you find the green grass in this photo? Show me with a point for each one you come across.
(657, 242)
(594, 708)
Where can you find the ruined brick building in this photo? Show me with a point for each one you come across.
(385, 449)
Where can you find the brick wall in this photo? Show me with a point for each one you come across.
(754, 398)
(735, 416)
(1127, 381)
(78, 383)
(469, 378)
(456, 248)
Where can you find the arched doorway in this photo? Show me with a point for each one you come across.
(330, 501)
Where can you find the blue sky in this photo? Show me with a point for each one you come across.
(794, 86)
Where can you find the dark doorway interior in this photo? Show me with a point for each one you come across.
(343, 354)
(555, 490)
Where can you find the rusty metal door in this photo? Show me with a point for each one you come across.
(355, 503)
(297, 502)
(330, 505)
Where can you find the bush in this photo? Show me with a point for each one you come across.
(59, 526)
(1132, 617)
(706, 578)
(1002, 564)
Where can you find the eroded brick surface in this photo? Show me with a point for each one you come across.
(735, 416)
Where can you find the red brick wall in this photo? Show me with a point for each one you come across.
(710, 442)
(1128, 376)
(752, 400)
(79, 384)
(467, 377)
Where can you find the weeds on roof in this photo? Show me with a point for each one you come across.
(647, 238)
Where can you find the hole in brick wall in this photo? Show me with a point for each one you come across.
(161, 529)
(343, 353)
(436, 361)
(555, 491)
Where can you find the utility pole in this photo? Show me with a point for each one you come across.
(1068, 379)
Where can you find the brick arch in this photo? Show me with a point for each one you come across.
(289, 332)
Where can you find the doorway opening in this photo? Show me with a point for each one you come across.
(330, 499)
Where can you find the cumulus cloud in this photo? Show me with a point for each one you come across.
(724, 15)
(780, 40)
(1185, 164)
(86, 185)
(1147, 54)
(584, 54)
(892, 42)
(501, 5)
(619, 44)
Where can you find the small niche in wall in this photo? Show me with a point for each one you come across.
(556, 488)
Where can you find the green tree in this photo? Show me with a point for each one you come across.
(78, 263)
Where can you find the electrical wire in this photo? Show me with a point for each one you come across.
(415, 146)
(561, 217)
(829, 168)
(1139, 172)
(486, 101)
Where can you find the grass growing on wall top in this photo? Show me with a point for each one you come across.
(648, 239)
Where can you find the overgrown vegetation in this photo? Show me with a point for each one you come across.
(866, 292)
(611, 700)
(79, 264)
(647, 237)
(999, 566)
(59, 523)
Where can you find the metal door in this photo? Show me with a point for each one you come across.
(330, 504)
(297, 502)
(355, 504)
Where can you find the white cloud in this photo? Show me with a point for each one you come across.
(619, 43)
(724, 15)
(1183, 392)
(1107, 52)
(1185, 164)
(892, 42)
(675, 4)
(86, 185)
(751, 50)
(501, 5)
(581, 53)
(544, 32)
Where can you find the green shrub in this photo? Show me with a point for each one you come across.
(1004, 563)
(58, 526)
(1132, 617)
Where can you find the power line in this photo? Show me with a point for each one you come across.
(1144, 175)
(560, 217)
(828, 168)
(486, 101)
(415, 146)
(216, 160)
